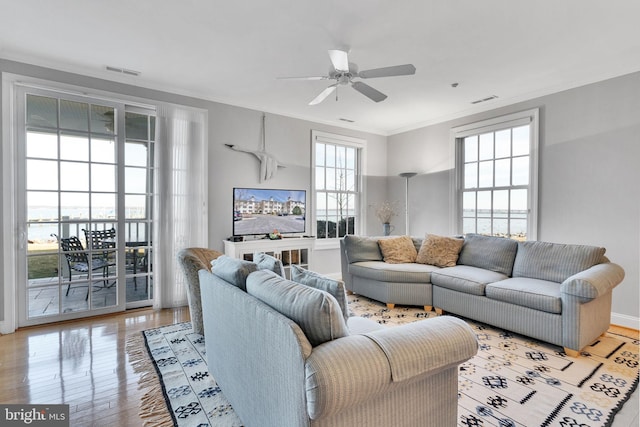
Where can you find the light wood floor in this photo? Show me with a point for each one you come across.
(83, 363)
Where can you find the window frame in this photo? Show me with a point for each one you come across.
(339, 140)
(15, 87)
(457, 136)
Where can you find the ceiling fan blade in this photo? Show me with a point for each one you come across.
(396, 70)
(318, 99)
(304, 78)
(339, 59)
(369, 92)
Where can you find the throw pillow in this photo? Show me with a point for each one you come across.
(233, 270)
(360, 248)
(316, 312)
(398, 250)
(554, 261)
(318, 281)
(488, 252)
(268, 262)
(439, 251)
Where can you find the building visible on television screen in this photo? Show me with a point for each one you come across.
(261, 211)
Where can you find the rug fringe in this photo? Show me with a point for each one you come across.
(153, 407)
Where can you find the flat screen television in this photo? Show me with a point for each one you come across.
(259, 211)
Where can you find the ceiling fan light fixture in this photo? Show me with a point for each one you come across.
(339, 59)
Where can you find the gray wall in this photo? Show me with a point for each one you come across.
(287, 138)
(589, 177)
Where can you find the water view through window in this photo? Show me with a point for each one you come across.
(495, 179)
(78, 172)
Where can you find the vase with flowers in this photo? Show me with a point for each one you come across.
(385, 211)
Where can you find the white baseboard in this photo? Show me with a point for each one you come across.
(625, 320)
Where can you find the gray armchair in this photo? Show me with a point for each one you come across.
(192, 260)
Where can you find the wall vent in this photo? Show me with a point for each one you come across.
(122, 70)
(489, 98)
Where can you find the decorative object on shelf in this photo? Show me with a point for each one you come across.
(268, 163)
(406, 176)
(385, 211)
(275, 234)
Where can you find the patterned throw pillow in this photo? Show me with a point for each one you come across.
(439, 251)
(398, 250)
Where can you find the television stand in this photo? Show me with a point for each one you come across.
(291, 250)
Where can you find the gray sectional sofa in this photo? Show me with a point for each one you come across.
(288, 354)
(553, 292)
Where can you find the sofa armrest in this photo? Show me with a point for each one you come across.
(344, 266)
(345, 372)
(593, 282)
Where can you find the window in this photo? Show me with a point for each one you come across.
(496, 165)
(337, 184)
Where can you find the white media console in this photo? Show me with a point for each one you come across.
(290, 250)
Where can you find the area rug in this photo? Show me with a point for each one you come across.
(512, 381)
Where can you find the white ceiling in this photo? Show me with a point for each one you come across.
(233, 51)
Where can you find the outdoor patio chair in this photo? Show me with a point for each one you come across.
(77, 259)
(101, 240)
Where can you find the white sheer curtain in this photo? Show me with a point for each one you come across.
(181, 197)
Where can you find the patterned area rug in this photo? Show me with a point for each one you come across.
(512, 381)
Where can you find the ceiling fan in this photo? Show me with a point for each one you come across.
(344, 73)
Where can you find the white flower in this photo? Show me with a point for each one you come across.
(386, 210)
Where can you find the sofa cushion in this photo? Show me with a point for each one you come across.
(398, 273)
(316, 312)
(488, 252)
(361, 249)
(464, 278)
(361, 325)
(318, 281)
(554, 261)
(533, 293)
(268, 262)
(398, 250)
(233, 270)
(439, 251)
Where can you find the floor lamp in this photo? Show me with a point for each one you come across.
(406, 176)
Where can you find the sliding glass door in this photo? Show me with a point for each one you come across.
(85, 207)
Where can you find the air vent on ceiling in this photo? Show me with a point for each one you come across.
(123, 70)
(489, 98)
(346, 120)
